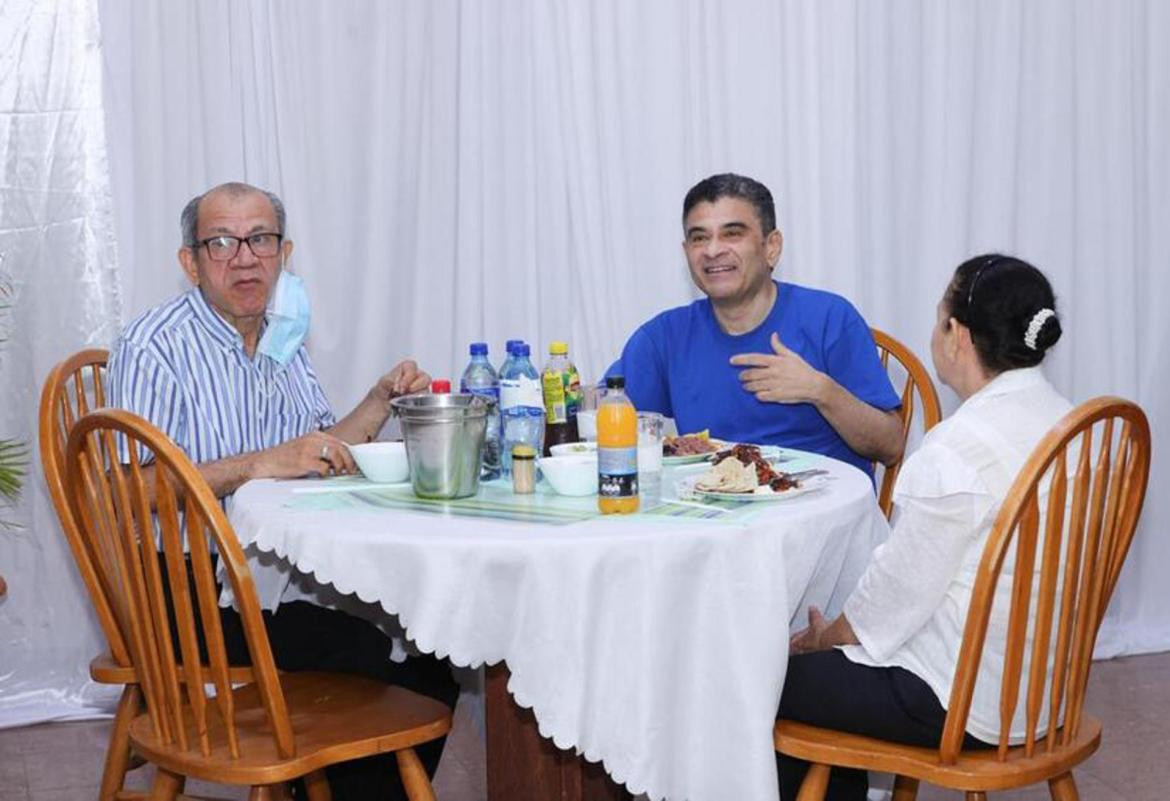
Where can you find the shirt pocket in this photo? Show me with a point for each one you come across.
(295, 423)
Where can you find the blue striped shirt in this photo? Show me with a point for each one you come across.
(183, 367)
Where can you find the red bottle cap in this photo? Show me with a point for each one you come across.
(440, 386)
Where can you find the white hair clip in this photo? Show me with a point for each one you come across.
(1038, 320)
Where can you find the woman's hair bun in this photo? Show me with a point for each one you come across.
(1009, 307)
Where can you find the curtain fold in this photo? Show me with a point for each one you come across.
(57, 253)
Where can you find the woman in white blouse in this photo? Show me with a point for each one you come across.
(883, 668)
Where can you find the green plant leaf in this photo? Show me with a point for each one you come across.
(13, 459)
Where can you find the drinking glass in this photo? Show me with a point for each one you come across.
(650, 429)
(587, 412)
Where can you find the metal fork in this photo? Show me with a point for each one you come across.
(806, 474)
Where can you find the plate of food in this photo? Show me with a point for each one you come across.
(688, 448)
(742, 473)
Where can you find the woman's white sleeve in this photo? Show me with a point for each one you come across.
(941, 507)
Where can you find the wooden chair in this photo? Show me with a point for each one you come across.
(917, 381)
(265, 733)
(74, 387)
(1081, 550)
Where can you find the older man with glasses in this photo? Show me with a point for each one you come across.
(223, 371)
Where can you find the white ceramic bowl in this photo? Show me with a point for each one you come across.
(575, 474)
(574, 448)
(382, 461)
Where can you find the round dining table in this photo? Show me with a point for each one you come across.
(654, 643)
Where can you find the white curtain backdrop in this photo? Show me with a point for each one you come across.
(57, 252)
(457, 171)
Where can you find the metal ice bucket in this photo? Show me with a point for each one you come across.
(444, 442)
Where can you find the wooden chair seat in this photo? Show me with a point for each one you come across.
(334, 718)
(974, 770)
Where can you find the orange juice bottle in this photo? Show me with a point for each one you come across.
(617, 450)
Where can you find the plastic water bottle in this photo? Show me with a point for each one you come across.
(508, 348)
(480, 379)
(521, 405)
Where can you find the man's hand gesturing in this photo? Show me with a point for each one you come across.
(779, 377)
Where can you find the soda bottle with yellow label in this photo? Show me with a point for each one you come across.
(561, 386)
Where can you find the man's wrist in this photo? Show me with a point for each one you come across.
(251, 466)
(380, 398)
(822, 389)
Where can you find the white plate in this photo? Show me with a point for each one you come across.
(772, 453)
(686, 489)
(691, 458)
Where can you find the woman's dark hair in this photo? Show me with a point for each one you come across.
(1002, 300)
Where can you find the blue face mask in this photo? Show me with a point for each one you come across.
(288, 319)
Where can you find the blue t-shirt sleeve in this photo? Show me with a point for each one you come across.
(852, 360)
(643, 366)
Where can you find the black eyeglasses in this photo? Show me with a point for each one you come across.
(224, 248)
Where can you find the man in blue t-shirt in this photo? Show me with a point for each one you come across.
(760, 360)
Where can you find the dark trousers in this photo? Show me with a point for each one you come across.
(304, 636)
(826, 689)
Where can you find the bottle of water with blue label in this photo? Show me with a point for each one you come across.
(480, 379)
(508, 348)
(521, 405)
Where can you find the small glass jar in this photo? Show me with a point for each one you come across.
(523, 469)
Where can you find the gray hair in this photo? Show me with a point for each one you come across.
(189, 219)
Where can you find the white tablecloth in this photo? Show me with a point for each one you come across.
(656, 644)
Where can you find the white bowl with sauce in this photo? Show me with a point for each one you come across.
(574, 475)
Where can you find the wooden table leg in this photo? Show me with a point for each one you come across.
(523, 766)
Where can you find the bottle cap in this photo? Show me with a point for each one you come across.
(558, 348)
(440, 386)
(521, 349)
(523, 452)
(511, 346)
(479, 349)
(615, 382)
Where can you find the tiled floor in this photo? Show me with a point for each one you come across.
(62, 761)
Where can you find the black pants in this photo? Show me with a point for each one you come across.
(826, 689)
(304, 636)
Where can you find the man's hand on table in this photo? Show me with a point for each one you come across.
(316, 452)
(820, 635)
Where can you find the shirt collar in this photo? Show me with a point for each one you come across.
(219, 329)
(781, 297)
(1007, 382)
